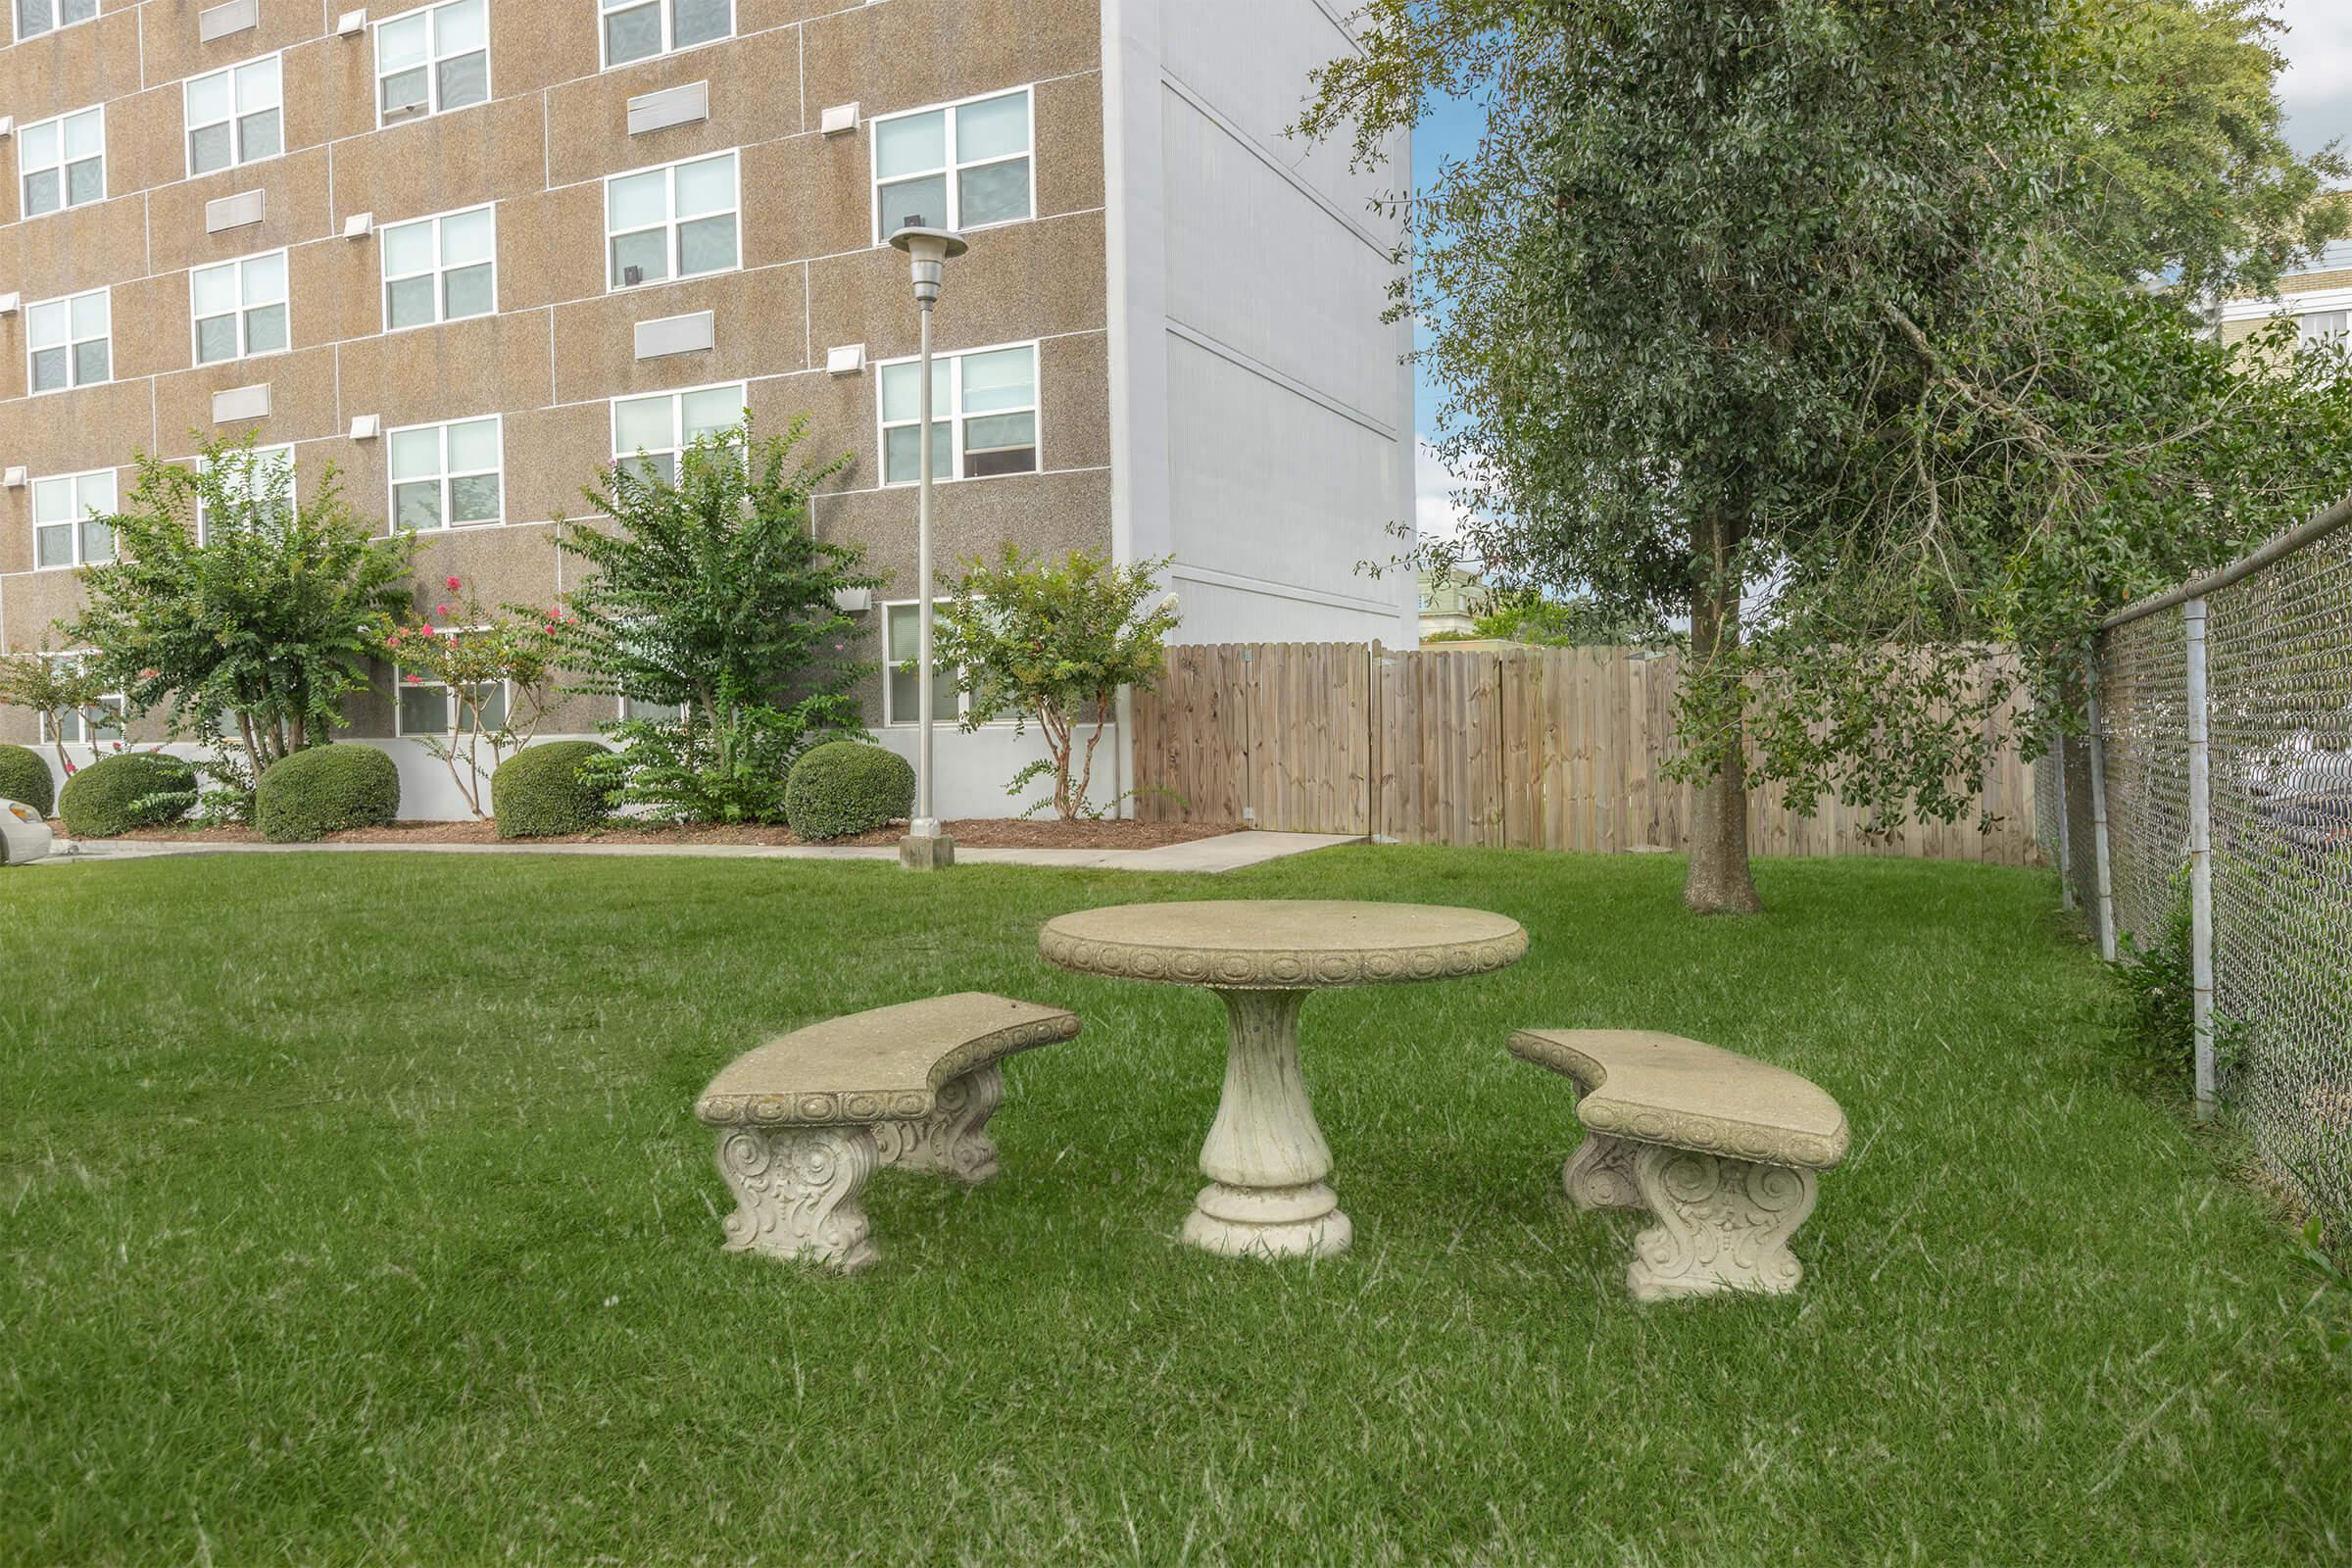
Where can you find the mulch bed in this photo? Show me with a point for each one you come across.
(971, 833)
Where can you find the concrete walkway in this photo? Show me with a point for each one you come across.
(1229, 853)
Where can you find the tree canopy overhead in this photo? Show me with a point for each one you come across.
(1829, 323)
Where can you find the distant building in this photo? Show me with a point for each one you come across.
(2317, 296)
(1450, 601)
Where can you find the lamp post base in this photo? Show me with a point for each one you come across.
(926, 852)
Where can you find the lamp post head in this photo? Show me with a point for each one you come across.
(931, 249)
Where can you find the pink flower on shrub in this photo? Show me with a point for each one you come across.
(440, 609)
(415, 680)
(452, 585)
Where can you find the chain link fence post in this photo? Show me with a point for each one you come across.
(2098, 804)
(2200, 850)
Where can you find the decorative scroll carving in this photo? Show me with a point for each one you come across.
(800, 1193)
(1599, 1174)
(1723, 1224)
(952, 1141)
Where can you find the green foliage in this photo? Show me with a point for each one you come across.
(540, 792)
(127, 791)
(847, 787)
(59, 686)
(716, 599)
(2330, 1265)
(2159, 981)
(1051, 643)
(24, 776)
(1575, 622)
(325, 789)
(270, 621)
(496, 662)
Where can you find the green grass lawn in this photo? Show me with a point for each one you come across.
(355, 1211)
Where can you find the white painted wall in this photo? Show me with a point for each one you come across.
(1261, 412)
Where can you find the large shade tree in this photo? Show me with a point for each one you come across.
(1802, 319)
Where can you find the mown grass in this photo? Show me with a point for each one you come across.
(355, 1212)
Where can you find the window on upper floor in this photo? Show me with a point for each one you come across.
(239, 308)
(958, 166)
(446, 476)
(255, 486)
(677, 220)
(62, 161)
(649, 433)
(83, 726)
(69, 513)
(2325, 326)
(233, 116)
(68, 342)
(983, 414)
(36, 16)
(639, 30)
(434, 60)
(440, 268)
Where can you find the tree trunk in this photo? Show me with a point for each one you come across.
(1718, 881)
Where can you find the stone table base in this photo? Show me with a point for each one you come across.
(1265, 1156)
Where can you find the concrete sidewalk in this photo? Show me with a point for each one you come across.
(1228, 853)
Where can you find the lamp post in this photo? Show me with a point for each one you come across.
(925, 848)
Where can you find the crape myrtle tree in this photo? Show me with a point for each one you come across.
(710, 605)
(1810, 322)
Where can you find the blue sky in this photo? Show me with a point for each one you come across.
(2317, 89)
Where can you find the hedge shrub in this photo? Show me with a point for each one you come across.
(24, 776)
(538, 793)
(128, 790)
(324, 789)
(846, 787)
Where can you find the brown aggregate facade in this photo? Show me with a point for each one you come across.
(559, 346)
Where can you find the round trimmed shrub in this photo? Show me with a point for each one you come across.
(324, 789)
(538, 792)
(24, 776)
(128, 790)
(846, 787)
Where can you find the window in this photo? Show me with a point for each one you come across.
(444, 475)
(903, 643)
(2325, 326)
(964, 166)
(984, 416)
(440, 268)
(239, 308)
(432, 61)
(649, 434)
(36, 16)
(83, 726)
(68, 342)
(639, 30)
(673, 222)
(429, 707)
(68, 512)
(62, 161)
(254, 483)
(651, 712)
(234, 117)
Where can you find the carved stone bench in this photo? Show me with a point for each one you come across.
(805, 1120)
(1723, 1151)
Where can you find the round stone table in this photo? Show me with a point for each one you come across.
(1265, 1157)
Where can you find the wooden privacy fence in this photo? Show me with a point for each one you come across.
(1522, 748)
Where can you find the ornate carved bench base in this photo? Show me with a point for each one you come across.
(1723, 1224)
(952, 1139)
(800, 1192)
(1599, 1174)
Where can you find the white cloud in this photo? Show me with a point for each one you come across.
(1435, 511)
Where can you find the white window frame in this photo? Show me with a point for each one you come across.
(261, 455)
(71, 343)
(446, 477)
(77, 521)
(953, 416)
(890, 716)
(245, 308)
(951, 168)
(677, 419)
(669, 44)
(438, 272)
(670, 221)
(448, 697)
(434, 60)
(87, 733)
(2339, 332)
(236, 138)
(15, 20)
(64, 188)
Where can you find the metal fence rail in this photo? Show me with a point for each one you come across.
(2219, 816)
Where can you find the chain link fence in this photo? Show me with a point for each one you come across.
(2224, 827)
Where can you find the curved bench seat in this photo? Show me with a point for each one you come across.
(1721, 1149)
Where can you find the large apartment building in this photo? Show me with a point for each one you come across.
(466, 252)
(2317, 295)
